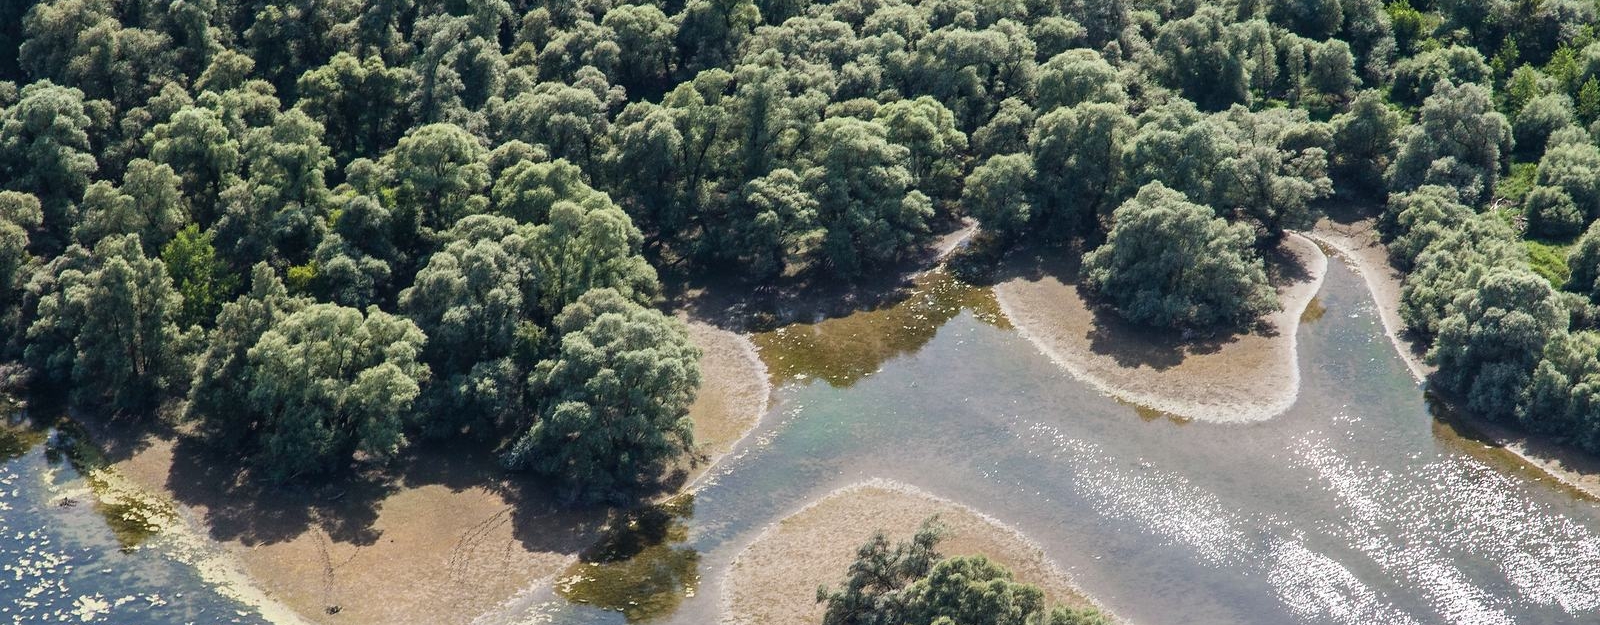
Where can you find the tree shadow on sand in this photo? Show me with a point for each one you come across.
(723, 296)
(346, 506)
(1132, 345)
(239, 507)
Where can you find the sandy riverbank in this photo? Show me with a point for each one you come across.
(734, 394)
(1358, 243)
(1240, 378)
(774, 580)
(441, 536)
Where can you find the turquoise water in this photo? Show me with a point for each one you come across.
(1355, 507)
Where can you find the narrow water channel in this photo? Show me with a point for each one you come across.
(1356, 507)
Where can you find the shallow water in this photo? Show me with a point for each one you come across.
(1355, 507)
(73, 550)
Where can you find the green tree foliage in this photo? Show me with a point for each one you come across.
(369, 150)
(1177, 145)
(580, 250)
(866, 206)
(438, 176)
(1564, 390)
(1077, 155)
(476, 299)
(1365, 140)
(278, 209)
(357, 260)
(1171, 263)
(201, 150)
(1419, 77)
(202, 278)
(327, 381)
(1331, 73)
(1196, 59)
(149, 204)
(927, 130)
(615, 398)
(1552, 214)
(1414, 221)
(82, 44)
(1279, 169)
(1006, 132)
(45, 152)
(569, 121)
(1317, 19)
(972, 68)
(1451, 265)
(219, 386)
(998, 194)
(773, 226)
(106, 325)
(20, 214)
(1077, 76)
(911, 582)
(527, 190)
(1585, 263)
(1539, 118)
(644, 36)
(1573, 167)
(1459, 142)
(1489, 345)
(360, 103)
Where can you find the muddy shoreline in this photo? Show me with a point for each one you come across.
(1242, 378)
(458, 543)
(773, 579)
(436, 536)
(1358, 244)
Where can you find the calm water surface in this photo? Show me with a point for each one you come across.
(1355, 508)
(75, 550)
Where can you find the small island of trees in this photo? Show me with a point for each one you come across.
(313, 233)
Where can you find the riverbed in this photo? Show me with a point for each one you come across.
(1355, 506)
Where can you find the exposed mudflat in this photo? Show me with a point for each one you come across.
(734, 392)
(774, 580)
(1238, 378)
(440, 537)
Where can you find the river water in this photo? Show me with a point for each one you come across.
(1356, 507)
(76, 548)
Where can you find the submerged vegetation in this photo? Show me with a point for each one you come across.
(317, 232)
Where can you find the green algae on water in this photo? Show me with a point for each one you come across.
(844, 350)
(133, 515)
(1148, 414)
(639, 567)
(1314, 310)
(18, 437)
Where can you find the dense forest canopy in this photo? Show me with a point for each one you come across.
(321, 229)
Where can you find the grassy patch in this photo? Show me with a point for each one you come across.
(1516, 185)
(1549, 260)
